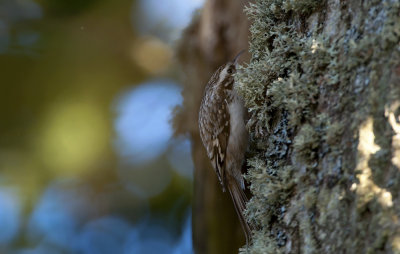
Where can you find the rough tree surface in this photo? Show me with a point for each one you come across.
(323, 91)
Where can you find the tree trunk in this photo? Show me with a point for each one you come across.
(323, 92)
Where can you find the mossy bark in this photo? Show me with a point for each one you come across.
(323, 93)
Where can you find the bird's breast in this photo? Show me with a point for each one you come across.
(238, 132)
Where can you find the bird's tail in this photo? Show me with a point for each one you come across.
(239, 200)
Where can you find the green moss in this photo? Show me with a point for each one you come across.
(310, 198)
(306, 231)
(302, 7)
(305, 144)
(263, 244)
(333, 133)
(307, 92)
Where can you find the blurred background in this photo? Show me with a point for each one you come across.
(88, 163)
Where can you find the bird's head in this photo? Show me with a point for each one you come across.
(226, 72)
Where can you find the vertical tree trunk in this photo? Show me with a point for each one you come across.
(324, 93)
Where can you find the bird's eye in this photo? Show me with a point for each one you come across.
(230, 71)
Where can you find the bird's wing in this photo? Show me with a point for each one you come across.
(214, 132)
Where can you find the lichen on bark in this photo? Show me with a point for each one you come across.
(323, 93)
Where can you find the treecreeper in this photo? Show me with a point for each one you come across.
(224, 135)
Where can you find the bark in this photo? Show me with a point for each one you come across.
(323, 92)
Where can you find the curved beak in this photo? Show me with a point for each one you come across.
(235, 60)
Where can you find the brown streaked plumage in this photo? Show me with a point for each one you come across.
(224, 135)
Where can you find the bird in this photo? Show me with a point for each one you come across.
(224, 135)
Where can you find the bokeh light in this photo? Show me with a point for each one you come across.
(143, 115)
(103, 236)
(58, 213)
(152, 55)
(73, 137)
(88, 163)
(165, 20)
(10, 213)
